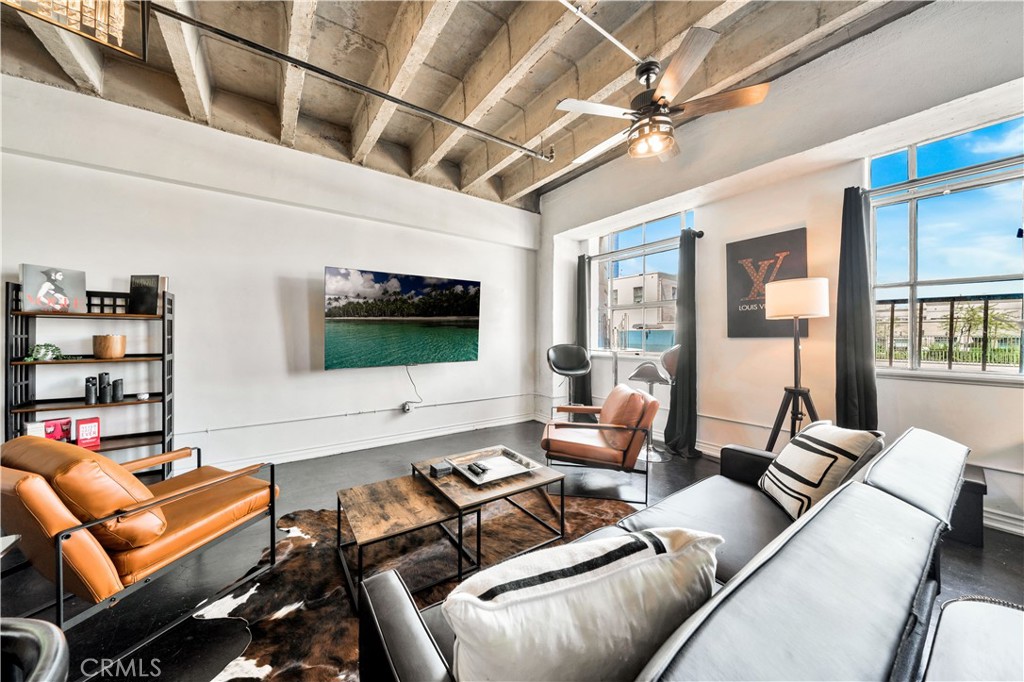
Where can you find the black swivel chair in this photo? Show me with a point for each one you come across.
(569, 360)
(32, 651)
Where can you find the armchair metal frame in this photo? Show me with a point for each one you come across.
(111, 601)
(583, 409)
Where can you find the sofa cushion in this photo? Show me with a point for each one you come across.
(586, 444)
(623, 407)
(745, 517)
(830, 599)
(583, 611)
(91, 486)
(814, 463)
(194, 520)
(923, 469)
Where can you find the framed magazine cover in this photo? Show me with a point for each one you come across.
(52, 289)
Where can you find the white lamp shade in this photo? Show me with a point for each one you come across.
(789, 298)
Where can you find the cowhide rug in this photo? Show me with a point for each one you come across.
(302, 624)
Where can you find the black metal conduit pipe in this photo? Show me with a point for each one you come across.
(312, 68)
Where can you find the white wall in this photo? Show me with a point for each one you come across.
(243, 230)
(785, 163)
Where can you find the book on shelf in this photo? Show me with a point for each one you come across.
(143, 295)
(52, 289)
(54, 429)
(87, 433)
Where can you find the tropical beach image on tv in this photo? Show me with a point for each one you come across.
(377, 319)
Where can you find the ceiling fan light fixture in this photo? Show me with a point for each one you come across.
(651, 136)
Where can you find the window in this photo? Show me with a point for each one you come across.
(635, 276)
(949, 257)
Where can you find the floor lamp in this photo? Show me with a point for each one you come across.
(795, 299)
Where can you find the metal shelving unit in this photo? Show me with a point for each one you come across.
(21, 403)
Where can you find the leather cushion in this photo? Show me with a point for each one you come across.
(744, 516)
(578, 444)
(923, 469)
(977, 640)
(623, 407)
(92, 487)
(32, 510)
(440, 630)
(194, 520)
(828, 600)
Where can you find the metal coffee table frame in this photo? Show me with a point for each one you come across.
(457, 540)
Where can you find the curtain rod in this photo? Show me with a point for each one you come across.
(312, 68)
(634, 251)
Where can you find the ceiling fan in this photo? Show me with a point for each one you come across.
(653, 117)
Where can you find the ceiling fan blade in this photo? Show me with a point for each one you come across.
(594, 108)
(600, 149)
(733, 99)
(695, 47)
(671, 153)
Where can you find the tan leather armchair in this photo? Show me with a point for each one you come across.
(614, 442)
(91, 527)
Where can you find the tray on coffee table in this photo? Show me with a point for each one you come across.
(498, 462)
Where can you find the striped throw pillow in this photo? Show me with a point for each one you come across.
(814, 463)
(594, 610)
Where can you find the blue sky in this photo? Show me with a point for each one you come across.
(963, 234)
(351, 284)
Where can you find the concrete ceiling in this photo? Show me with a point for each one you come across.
(498, 66)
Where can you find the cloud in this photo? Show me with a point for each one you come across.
(458, 288)
(1010, 144)
(393, 285)
(348, 283)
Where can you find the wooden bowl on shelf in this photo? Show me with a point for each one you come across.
(109, 346)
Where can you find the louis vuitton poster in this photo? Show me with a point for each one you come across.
(752, 263)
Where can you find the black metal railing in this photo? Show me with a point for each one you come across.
(953, 332)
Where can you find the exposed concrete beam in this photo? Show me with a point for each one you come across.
(784, 29)
(188, 58)
(410, 39)
(530, 33)
(300, 34)
(81, 59)
(655, 33)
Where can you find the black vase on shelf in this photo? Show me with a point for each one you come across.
(118, 391)
(90, 391)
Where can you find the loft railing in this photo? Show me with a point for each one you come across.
(968, 333)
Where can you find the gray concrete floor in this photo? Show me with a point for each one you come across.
(996, 571)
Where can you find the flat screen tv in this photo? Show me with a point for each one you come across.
(378, 319)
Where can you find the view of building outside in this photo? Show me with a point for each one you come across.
(635, 280)
(641, 327)
(947, 218)
(989, 342)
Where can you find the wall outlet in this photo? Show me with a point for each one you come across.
(407, 407)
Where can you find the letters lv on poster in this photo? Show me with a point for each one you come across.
(751, 264)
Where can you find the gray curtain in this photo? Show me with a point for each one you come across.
(856, 394)
(582, 393)
(681, 431)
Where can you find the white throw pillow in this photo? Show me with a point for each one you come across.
(594, 610)
(814, 463)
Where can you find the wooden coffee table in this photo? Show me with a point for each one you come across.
(468, 498)
(386, 509)
(383, 510)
